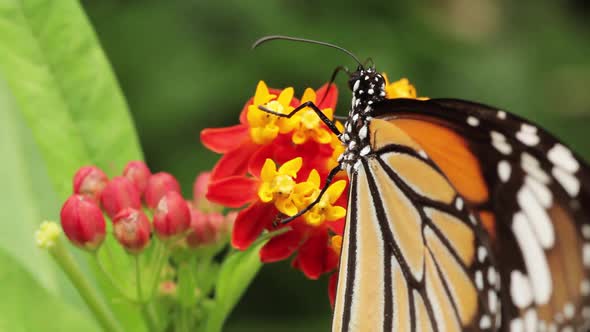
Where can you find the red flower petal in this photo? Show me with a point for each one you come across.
(258, 158)
(233, 191)
(280, 247)
(222, 140)
(332, 284)
(250, 222)
(327, 98)
(234, 162)
(316, 257)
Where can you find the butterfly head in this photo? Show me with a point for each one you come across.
(367, 85)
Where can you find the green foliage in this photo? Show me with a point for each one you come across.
(236, 273)
(61, 109)
(27, 306)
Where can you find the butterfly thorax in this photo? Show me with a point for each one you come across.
(368, 88)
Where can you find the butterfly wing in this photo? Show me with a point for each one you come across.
(531, 194)
(414, 258)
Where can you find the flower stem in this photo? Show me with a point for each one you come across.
(98, 307)
(147, 311)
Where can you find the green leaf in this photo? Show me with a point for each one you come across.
(236, 274)
(65, 91)
(27, 309)
(64, 86)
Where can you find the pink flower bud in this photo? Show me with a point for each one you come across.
(138, 173)
(172, 216)
(118, 194)
(90, 181)
(83, 222)
(201, 231)
(132, 229)
(168, 288)
(158, 185)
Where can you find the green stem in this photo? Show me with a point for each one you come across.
(149, 315)
(147, 311)
(98, 307)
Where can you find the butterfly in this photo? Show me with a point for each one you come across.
(461, 217)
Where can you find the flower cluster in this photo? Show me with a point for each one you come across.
(275, 166)
(139, 204)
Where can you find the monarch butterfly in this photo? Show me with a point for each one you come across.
(461, 217)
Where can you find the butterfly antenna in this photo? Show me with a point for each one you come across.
(303, 40)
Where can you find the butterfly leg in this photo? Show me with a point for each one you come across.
(329, 180)
(331, 125)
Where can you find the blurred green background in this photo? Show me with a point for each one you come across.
(187, 65)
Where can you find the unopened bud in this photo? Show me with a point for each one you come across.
(90, 181)
(172, 216)
(203, 230)
(118, 194)
(138, 173)
(132, 229)
(158, 185)
(168, 288)
(82, 222)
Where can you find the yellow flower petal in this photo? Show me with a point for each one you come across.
(322, 136)
(313, 218)
(269, 170)
(286, 206)
(335, 190)
(285, 97)
(299, 137)
(314, 178)
(308, 95)
(291, 167)
(335, 213)
(262, 95)
(265, 193)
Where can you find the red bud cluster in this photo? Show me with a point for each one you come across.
(123, 198)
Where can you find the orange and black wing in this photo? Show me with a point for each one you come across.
(414, 257)
(530, 193)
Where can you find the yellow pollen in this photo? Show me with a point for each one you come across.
(47, 234)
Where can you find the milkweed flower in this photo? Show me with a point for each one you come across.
(282, 176)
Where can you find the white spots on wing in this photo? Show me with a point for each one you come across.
(485, 322)
(561, 156)
(499, 142)
(528, 135)
(366, 77)
(357, 165)
(423, 154)
(533, 168)
(367, 110)
(586, 254)
(492, 300)
(479, 280)
(352, 145)
(472, 121)
(586, 231)
(585, 287)
(537, 217)
(520, 289)
(534, 258)
(365, 151)
(363, 132)
(473, 219)
(501, 115)
(530, 320)
(482, 253)
(459, 203)
(504, 170)
(542, 193)
(516, 325)
(371, 91)
(355, 117)
(356, 85)
(569, 310)
(568, 181)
